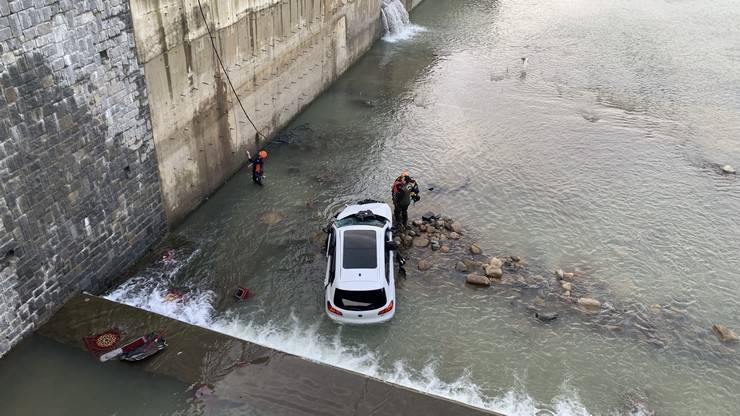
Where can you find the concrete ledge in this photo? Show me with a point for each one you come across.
(245, 374)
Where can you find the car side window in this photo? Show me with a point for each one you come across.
(332, 253)
(387, 266)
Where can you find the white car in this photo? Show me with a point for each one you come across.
(360, 285)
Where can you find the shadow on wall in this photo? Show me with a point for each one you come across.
(78, 203)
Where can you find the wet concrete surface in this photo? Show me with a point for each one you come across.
(226, 375)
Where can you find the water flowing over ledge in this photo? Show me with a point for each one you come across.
(397, 22)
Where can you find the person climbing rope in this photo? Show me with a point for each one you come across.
(258, 166)
(404, 190)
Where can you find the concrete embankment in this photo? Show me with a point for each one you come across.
(243, 374)
(278, 54)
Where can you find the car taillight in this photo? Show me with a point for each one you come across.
(386, 309)
(332, 309)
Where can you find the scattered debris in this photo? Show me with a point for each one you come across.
(241, 293)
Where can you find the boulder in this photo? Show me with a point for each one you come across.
(515, 259)
(724, 333)
(560, 274)
(569, 276)
(457, 227)
(496, 262)
(474, 249)
(445, 248)
(728, 169)
(428, 217)
(461, 267)
(424, 265)
(454, 236)
(478, 280)
(420, 242)
(546, 316)
(493, 271)
(473, 265)
(589, 303)
(567, 293)
(567, 286)
(417, 222)
(435, 246)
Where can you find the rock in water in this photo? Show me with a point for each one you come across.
(724, 333)
(472, 264)
(428, 217)
(728, 169)
(546, 316)
(493, 271)
(461, 267)
(474, 249)
(271, 217)
(424, 265)
(496, 262)
(457, 227)
(589, 303)
(420, 242)
(478, 280)
(567, 286)
(454, 236)
(445, 249)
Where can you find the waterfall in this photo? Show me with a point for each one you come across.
(394, 15)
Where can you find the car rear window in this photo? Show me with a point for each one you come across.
(360, 300)
(360, 250)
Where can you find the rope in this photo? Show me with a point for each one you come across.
(223, 68)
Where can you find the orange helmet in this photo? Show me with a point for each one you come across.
(262, 154)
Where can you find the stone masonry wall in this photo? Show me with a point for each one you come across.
(79, 188)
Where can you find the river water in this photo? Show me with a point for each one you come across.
(600, 153)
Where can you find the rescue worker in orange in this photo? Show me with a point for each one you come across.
(258, 166)
(404, 190)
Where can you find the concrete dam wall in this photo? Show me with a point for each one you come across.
(279, 55)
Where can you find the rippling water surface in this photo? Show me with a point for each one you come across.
(600, 153)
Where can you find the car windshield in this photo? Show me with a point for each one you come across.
(360, 300)
(375, 221)
(360, 249)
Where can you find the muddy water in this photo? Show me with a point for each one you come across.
(600, 153)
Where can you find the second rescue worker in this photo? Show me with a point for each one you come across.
(405, 189)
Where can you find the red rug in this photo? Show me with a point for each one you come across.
(103, 342)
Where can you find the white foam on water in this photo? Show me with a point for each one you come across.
(304, 340)
(408, 32)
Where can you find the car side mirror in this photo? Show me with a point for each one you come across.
(391, 246)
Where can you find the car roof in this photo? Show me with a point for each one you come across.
(361, 279)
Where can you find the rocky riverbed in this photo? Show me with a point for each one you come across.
(438, 246)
